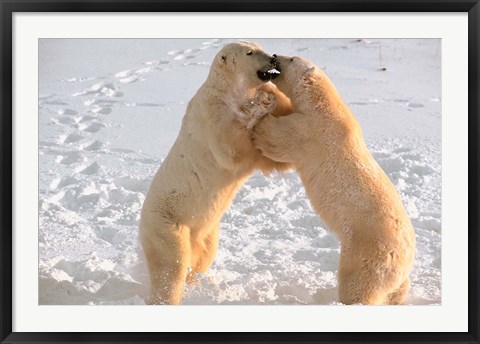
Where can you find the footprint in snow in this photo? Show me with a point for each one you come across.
(366, 102)
(213, 43)
(186, 54)
(103, 110)
(65, 120)
(92, 128)
(96, 101)
(94, 146)
(67, 112)
(129, 80)
(133, 104)
(179, 57)
(128, 76)
(144, 70)
(123, 73)
(89, 170)
(73, 137)
(86, 119)
(71, 158)
(101, 88)
(122, 150)
(156, 62)
(408, 104)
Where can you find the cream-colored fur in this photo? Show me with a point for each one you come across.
(211, 158)
(344, 183)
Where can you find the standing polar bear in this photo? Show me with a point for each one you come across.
(211, 158)
(344, 183)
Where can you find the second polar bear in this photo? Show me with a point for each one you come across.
(344, 183)
(211, 158)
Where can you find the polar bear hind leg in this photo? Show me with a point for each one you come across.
(204, 251)
(369, 281)
(356, 287)
(167, 251)
(398, 296)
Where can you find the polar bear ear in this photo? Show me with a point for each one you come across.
(310, 70)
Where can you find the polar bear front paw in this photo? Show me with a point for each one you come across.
(273, 138)
(255, 108)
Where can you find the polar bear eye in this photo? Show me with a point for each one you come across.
(250, 52)
(291, 59)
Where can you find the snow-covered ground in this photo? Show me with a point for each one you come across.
(109, 111)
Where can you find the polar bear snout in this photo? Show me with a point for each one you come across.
(270, 71)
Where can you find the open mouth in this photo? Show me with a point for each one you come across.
(269, 72)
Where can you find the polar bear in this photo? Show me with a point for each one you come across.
(211, 158)
(345, 185)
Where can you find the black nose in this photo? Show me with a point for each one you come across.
(274, 59)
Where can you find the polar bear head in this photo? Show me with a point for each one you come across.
(244, 64)
(295, 73)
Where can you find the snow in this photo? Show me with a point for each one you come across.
(109, 111)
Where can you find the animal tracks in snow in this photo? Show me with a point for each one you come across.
(67, 112)
(71, 158)
(70, 138)
(402, 102)
(101, 88)
(92, 128)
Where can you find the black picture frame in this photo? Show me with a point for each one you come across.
(9, 7)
